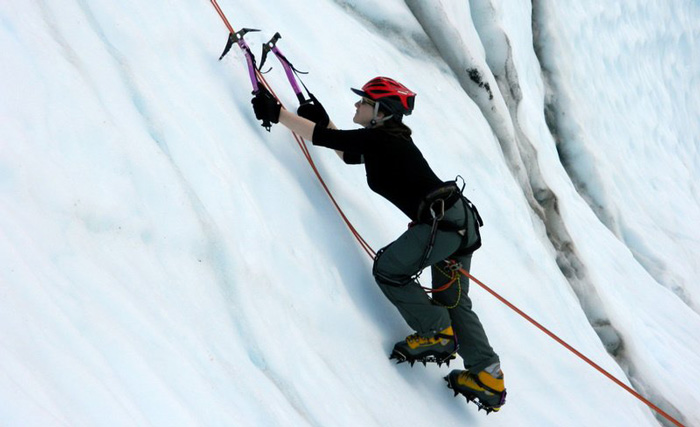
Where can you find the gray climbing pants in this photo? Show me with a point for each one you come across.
(397, 263)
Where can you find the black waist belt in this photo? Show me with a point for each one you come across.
(442, 198)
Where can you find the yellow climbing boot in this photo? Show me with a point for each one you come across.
(439, 348)
(486, 388)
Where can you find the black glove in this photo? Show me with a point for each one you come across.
(314, 111)
(266, 107)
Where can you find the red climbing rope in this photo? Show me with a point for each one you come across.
(305, 150)
(302, 145)
(570, 348)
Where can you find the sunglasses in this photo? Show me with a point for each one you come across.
(367, 102)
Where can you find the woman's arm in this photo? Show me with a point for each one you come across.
(332, 125)
(302, 126)
(298, 125)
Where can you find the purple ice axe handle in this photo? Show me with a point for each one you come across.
(288, 68)
(237, 38)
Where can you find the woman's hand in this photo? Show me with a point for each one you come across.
(314, 111)
(266, 107)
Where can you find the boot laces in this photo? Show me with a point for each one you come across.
(417, 340)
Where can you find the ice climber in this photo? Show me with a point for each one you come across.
(443, 233)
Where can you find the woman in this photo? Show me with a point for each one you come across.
(443, 234)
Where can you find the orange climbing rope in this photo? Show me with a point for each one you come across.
(571, 349)
(305, 150)
(372, 254)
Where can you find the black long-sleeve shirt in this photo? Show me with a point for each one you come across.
(395, 167)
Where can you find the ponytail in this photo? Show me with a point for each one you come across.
(396, 128)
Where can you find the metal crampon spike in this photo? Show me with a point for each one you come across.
(400, 358)
(481, 406)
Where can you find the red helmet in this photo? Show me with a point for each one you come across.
(396, 98)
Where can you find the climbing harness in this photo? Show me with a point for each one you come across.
(258, 79)
(431, 211)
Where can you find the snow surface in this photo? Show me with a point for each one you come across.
(165, 261)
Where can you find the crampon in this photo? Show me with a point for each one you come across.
(425, 359)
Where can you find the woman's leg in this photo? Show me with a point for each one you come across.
(474, 347)
(398, 262)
